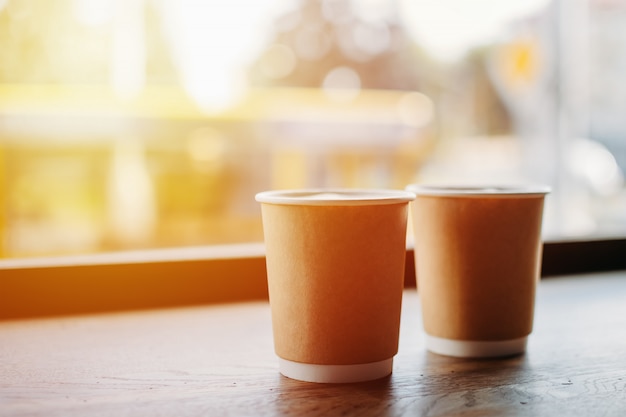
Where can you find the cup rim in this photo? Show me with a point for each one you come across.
(479, 190)
(335, 196)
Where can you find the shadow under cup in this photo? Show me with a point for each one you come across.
(477, 259)
(335, 268)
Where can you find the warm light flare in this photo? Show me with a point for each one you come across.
(342, 84)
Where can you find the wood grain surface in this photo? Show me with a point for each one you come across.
(219, 361)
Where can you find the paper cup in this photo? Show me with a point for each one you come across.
(335, 270)
(477, 261)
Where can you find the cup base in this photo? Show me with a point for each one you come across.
(335, 373)
(474, 348)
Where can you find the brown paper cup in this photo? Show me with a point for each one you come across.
(335, 269)
(477, 259)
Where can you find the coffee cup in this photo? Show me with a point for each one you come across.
(335, 269)
(477, 261)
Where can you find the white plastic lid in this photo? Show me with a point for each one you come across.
(335, 197)
(338, 374)
(475, 348)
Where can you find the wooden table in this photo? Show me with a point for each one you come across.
(218, 361)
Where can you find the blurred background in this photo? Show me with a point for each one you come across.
(132, 124)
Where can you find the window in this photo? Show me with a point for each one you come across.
(151, 124)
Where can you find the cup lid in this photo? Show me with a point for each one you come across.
(335, 196)
(478, 190)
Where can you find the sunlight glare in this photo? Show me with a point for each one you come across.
(342, 84)
(213, 43)
(93, 12)
(449, 35)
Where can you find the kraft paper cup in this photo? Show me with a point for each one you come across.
(335, 269)
(477, 260)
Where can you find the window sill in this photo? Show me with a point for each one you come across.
(203, 275)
